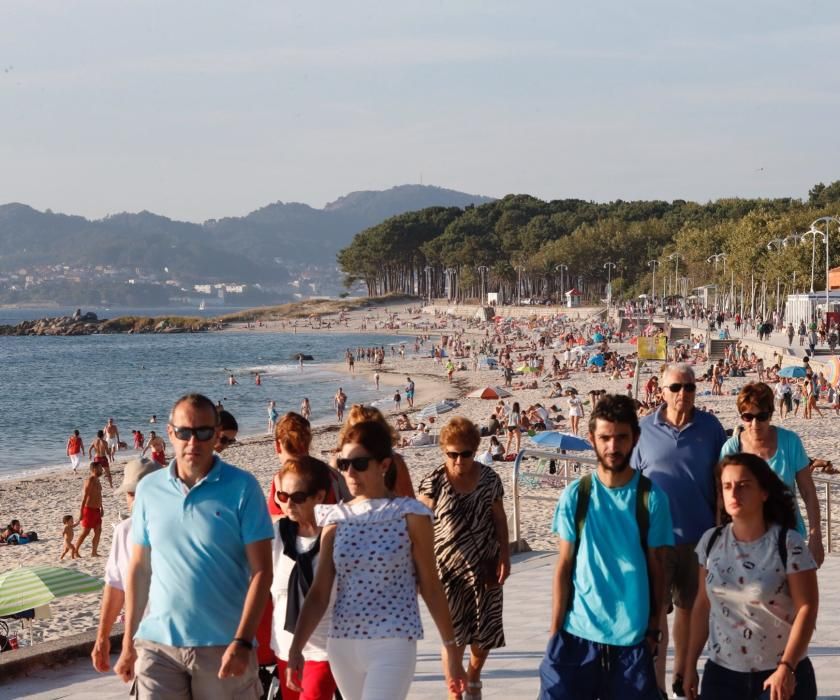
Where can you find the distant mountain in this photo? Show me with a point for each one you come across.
(254, 248)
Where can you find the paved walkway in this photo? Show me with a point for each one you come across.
(510, 673)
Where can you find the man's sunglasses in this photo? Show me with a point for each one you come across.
(298, 497)
(225, 440)
(465, 454)
(202, 434)
(760, 417)
(359, 464)
(689, 387)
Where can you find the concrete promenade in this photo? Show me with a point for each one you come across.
(511, 673)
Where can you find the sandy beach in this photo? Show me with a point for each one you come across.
(41, 501)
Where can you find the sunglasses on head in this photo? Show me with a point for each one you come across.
(465, 454)
(298, 497)
(225, 440)
(760, 417)
(359, 464)
(202, 434)
(674, 388)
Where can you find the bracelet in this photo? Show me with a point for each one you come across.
(789, 667)
(450, 643)
(243, 642)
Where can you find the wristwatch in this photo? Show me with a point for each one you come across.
(655, 635)
(243, 642)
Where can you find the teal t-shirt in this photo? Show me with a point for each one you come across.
(612, 596)
(789, 460)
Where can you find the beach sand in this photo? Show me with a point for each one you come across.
(41, 501)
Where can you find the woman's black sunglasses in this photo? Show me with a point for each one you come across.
(359, 464)
(201, 434)
(465, 454)
(298, 497)
(760, 417)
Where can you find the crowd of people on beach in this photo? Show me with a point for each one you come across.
(311, 588)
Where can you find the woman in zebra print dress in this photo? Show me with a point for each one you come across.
(471, 544)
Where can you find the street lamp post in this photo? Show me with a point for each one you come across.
(609, 267)
(652, 264)
(676, 258)
(827, 220)
(813, 233)
(714, 258)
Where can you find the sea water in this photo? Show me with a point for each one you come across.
(50, 386)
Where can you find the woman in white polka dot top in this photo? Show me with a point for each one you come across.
(379, 552)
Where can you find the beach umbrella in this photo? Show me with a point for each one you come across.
(525, 369)
(597, 360)
(561, 441)
(29, 587)
(792, 372)
(832, 371)
(435, 409)
(489, 392)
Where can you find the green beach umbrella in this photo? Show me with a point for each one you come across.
(28, 587)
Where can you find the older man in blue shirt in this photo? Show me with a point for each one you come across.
(201, 558)
(678, 450)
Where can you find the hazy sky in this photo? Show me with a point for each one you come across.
(198, 109)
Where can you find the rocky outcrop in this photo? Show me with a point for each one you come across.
(89, 324)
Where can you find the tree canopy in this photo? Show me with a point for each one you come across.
(520, 246)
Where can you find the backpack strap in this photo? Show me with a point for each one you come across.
(582, 505)
(643, 510)
(782, 545)
(711, 543)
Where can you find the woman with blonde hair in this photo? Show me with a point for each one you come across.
(471, 545)
(399, 480)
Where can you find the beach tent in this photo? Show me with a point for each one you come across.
(489, 392)
(29, 587)
(561, 441)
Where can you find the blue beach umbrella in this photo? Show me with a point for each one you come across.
(793, 372)
(561, 441)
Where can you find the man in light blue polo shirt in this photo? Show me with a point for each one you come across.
(678, 449)
(201, 558)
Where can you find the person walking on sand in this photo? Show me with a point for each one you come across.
(67, 534)
(112, 437)
(75, 449)
(339, 402)
(91, 510)
(206, 584)
(98, 452)
(409, 392)
(157, 447)
(678, 449)
(116, 568)
(614, 529)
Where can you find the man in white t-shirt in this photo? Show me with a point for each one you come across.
(116, 569)
(782, 393)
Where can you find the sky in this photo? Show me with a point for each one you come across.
(199, 109)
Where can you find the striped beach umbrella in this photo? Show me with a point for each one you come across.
(28, 587)
(832, 371)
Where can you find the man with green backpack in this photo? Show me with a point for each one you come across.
(614, 527)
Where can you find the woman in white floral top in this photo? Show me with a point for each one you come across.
(758, 598)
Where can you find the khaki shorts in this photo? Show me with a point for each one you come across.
(174, 673)
(681, 572)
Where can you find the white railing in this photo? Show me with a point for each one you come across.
(562, 478)
(541, 478)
